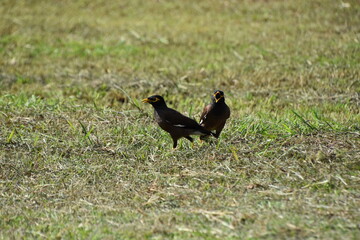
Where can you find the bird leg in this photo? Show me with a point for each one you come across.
(174, 142)
(189, 138)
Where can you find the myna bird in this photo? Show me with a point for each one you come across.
(215, 114)
(174, 122)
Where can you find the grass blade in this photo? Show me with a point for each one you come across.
(8, 140)
(304, 121)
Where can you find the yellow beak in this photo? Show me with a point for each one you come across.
(145, 100)
(217, 99)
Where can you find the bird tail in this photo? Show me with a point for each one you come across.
(205, 132)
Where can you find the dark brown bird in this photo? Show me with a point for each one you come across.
(215, 114)
(174, 122)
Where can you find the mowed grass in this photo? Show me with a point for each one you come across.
(81, 156)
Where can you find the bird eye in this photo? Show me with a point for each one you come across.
(153, 99)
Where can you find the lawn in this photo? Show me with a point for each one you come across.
(82, 158)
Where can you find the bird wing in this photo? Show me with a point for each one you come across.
(176, 119)
(206, 110)
(228, 112)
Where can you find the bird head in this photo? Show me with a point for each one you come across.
(218, 96)
(156, 101)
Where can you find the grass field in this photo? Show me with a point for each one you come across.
(82, 158)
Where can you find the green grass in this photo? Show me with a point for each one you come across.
(81, 156)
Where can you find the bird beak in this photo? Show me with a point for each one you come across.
(218, 99)
(145, 100)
